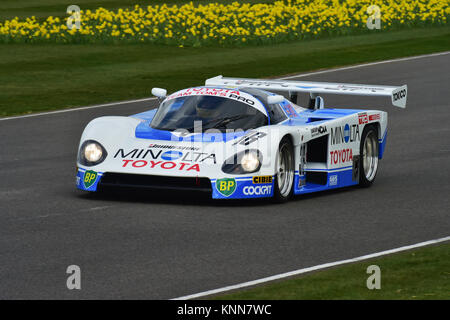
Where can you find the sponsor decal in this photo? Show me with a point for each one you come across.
(355, 88)
(301, 181)
(262, 179)
(341, 156)
(218, 92)
(250, 138)
(289, 110)
(399, 94)
(226, 186)
(333, 180)
(204, 91)
(318, 131)
(157, 154)
(89, 179)
(257, 190)
(167, 146)
(345, 134)
(362, 117)
(260, 83)
(169, 165)
(242, 99)
(374, 117)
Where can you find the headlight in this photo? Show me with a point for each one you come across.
(250, 162)
(91, 153)
(243, 162)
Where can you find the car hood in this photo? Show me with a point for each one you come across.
(167, 153)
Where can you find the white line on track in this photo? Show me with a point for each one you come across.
(366, 65)
(283, 78)
(305, 270)
(78, 109)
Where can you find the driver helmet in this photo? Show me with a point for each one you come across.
(207, 107)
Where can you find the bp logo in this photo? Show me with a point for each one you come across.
(89, 178)
(226, 186)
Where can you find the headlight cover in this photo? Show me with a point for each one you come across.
(243, 162)
(91, 153)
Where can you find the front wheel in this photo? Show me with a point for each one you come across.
(369, 156)
(284, 171)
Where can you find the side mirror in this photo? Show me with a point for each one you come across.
(275, 99)
(158, 92)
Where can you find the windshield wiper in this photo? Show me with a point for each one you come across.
(222, 122)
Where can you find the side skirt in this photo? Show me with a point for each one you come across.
(338, 178)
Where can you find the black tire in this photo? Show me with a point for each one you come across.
(282, 191)
(368, 160)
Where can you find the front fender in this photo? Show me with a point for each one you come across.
(110, 131)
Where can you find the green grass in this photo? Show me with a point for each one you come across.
(57, 8)
(48, 76)
(414, 275)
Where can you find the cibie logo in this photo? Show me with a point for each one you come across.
(226, 186)
(262, 179)
(89, 178)
(171, 155)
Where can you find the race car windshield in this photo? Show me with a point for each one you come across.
(219, 113)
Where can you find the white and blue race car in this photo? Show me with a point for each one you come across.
(236, 138)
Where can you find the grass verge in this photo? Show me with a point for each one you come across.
(413, 275)
(57, 8)
(48, 76)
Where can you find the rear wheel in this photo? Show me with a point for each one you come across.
(368, 156)
(284, 171)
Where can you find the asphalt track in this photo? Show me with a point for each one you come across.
(156, 246)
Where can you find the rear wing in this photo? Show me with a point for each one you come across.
(397, 94)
